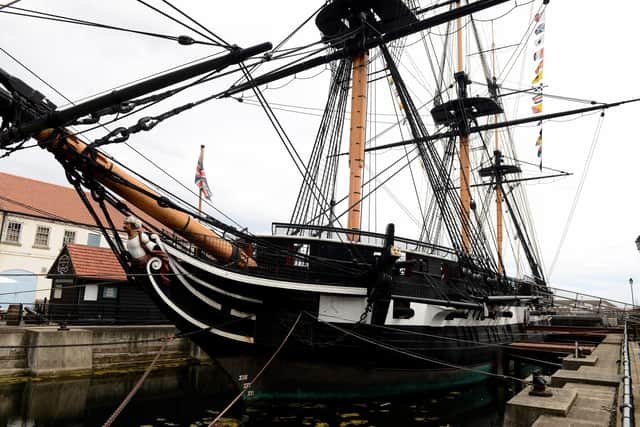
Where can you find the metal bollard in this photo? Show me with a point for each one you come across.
(539, 386)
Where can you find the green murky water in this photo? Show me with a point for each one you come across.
(193, 396)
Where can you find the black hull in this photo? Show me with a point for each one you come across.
(333, 351)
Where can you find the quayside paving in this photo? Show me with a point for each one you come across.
(585, 391)
(44, 352)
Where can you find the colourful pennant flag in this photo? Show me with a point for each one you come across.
(538, 86)
(201, 179)
(537, 78)
(539, 145)
(538, 55)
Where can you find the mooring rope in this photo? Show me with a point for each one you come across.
(250, 383)
(135, 388)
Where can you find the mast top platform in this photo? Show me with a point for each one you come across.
(452, 112)
(339, 17)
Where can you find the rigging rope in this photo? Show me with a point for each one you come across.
(137, 386)
(259, 374)
(214, 35)
(64, 19)
(576, 198)
(214, 41)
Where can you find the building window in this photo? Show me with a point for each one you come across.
(109, 292)
(69, 237)
(93, 240)
(90, 293)
(57, 291)
(42, 237)
(13, 232)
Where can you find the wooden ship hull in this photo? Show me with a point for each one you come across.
(340, 345)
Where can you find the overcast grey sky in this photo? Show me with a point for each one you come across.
(588, 54)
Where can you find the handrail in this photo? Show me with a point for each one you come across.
(279, 227)
(627, 395)
(575, 296)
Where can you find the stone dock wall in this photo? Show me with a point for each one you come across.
(49, 352)
(585, 392)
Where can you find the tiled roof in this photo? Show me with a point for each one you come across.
(42, 199)
(95, 263)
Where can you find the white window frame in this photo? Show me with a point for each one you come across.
(67, 233)
(90, 293)
(8, 232)
(107, 292)
(57, 291)
(39, 233)
(99, 239)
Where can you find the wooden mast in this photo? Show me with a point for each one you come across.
(498, 207)
(357, 135)
(67, 148)
(465, 193)
(499, 227)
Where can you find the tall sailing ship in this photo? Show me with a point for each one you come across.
(359, 311)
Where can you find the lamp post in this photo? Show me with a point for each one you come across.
(633, 302)
(630, 279)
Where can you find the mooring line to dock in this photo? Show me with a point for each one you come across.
(535, 361)
(266, 365)
(418, 356)
(136, 387)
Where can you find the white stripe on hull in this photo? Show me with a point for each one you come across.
(211, 303)
(185, 316)
(215, 288)
(269, 283)
(346, 309)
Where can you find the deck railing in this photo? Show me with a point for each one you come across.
(574, 303)
(366, 238)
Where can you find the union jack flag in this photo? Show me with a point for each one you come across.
(201, 178)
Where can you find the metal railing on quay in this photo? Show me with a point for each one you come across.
(627, 396)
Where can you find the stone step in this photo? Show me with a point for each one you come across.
(592, 391)
(594, 377)
(151, 347)
(600, 413)
(551, 421)
(14, 364)
(13, 372)
(574, 363)
(128, 362)
(523, 409)
(136, 358)
(12, 356)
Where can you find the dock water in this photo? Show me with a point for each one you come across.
(586, 391)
